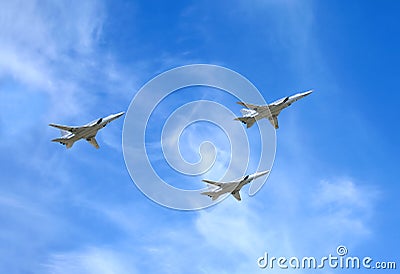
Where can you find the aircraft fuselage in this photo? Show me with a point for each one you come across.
(88, 131)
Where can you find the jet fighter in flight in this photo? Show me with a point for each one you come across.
(71, 134)
(253, 113)
(231, 187)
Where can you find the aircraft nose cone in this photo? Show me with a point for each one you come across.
(115, 116)
(308, 92)
(262, 173)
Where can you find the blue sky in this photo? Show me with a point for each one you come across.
(77, 211)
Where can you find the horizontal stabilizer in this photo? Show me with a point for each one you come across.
(63, 141)
(250, 106)
(249, 121)
(210, 194)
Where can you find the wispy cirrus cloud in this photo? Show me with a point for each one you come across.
(51, 50)
(91, 260)
(53, 69)
(40, 38)
(41, 45)
(338, 211)
(54, 49)
(48, 65)
(276, 220)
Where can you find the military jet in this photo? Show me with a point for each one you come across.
(254, 113)
(71, 134)
(231, 187)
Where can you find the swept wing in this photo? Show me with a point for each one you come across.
(93, 142)
(253, 107)
(67, 128)
(218, 184)
(236, 194)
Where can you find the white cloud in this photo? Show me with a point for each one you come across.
(285, 218)
(91, 260)
(333, 214)
(39, 41)
(38, 38)
(53, 48)
(28, 226)
(54, 70)
(349, 206)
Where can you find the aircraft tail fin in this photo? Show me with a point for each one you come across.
(248, 121)
(66, 143)
(211, 194)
